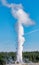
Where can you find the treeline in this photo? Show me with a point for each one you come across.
(30, 56)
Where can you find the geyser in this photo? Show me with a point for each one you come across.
(20, 42)
(22, 19)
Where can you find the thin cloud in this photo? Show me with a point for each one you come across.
(32, 31)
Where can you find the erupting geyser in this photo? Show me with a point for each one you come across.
(23, 19)
(20, 42)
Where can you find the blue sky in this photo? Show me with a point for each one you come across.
(8, 35)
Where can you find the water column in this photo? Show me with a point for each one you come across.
(20, 42)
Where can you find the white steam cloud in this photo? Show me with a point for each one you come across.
(22, 18)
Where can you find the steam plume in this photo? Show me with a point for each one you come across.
(22, 18)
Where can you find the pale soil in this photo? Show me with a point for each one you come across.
(25, 64)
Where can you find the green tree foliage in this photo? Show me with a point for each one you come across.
(31, 56)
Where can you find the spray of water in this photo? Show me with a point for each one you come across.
(23, 19)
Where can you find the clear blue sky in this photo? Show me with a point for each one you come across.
(8, 34)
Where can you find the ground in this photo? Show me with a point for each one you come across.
(25, 64)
